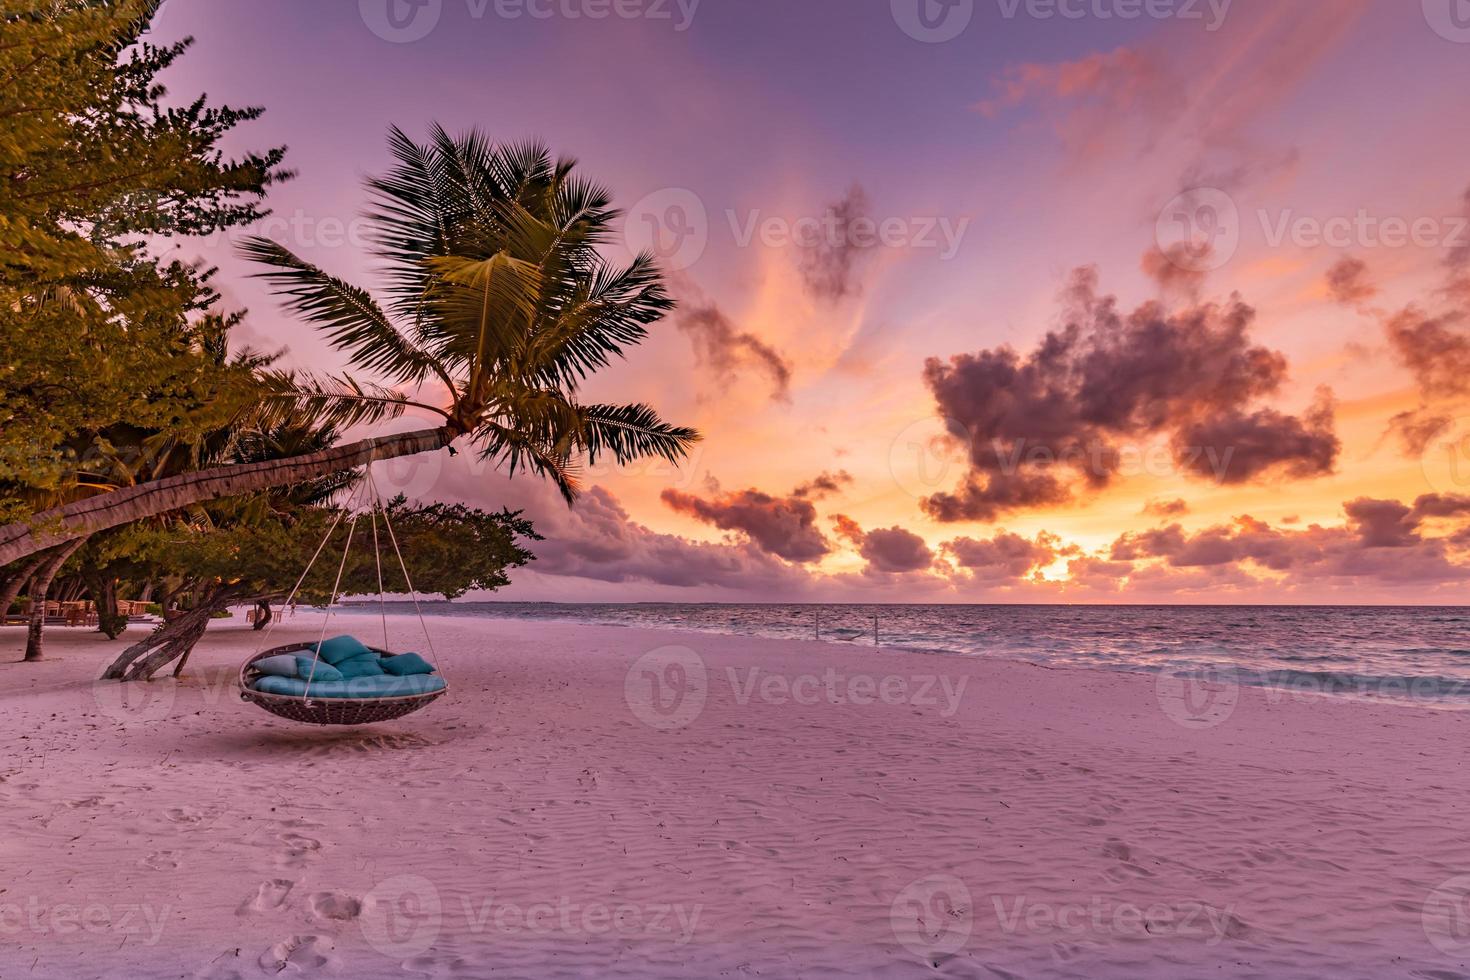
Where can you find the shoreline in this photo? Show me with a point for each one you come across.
(1299, 685)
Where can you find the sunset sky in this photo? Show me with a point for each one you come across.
(1190, 289)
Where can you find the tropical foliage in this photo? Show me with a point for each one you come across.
(98, 330)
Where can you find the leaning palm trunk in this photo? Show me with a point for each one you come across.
(174, 639)
(16, 583)
(84, 517)
(40, 589)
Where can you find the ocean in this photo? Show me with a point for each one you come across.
(1417, 654)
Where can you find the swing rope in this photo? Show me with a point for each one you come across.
(327, 619)
(378, 561)
(393, 537)
(265, 638)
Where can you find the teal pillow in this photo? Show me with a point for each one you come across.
(407, 663)
(281, 665)
(340, 648)
(365, 666)
(324, 671)
(385, 686)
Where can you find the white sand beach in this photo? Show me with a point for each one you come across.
(788, 809)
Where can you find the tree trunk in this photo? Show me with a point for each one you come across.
(40, 587)
(263, 614)
(16, 583)
(103, 590)
(62, 524)
(168, 642)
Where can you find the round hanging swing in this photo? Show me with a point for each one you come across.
(318, 710)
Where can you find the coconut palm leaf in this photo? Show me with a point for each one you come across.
(347, 314)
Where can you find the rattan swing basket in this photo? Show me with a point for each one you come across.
(328, 711)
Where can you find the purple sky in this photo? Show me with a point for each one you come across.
(1027, 145)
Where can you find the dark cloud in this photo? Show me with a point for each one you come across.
(1435, 348)
(888, 551)
(1005, 556)
(1381, 542)
(1416, 429)
(1165, 508)
(1383, 523)
(727, 351)
(783, 526)
(831, 255)
(598, 540)
(1237, 448)
(896, 551)
(1349, 284)
(823, 485)
(1039, 428)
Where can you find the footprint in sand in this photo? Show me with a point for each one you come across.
(300, 850)
(438, 965)
(330, 907)
(225, 966)
(160, 861)
(269, 896)
(190, 817)
(300, 954)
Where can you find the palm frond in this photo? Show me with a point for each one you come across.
(632, 432)
(347, 314)
(481, 309)
(611, 313)
(338, 401)
(520, 451)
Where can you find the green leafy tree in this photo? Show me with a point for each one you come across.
(447, 549)
(93, 164)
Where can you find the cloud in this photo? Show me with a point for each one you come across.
(829, 257)
(848, 529)
(1436, 349)
(1042, 427)
(782, 526)
(1165, 508)
(889, 551)
(1006, 556)
(1349, 284)
(1082, 95)
(1134, 99)
(1181, 270)
(1381, 542)
(1236, 447)
(823, 485)
(726, 351)
(1417, 428)
(896, 551)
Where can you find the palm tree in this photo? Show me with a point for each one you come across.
(498, 304)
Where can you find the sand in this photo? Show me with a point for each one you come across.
(772, 809)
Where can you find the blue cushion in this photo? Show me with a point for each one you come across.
(317, 669)
(381, 686)
(406, 664)
(281, 665)
(364, 666)
(340, 648)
